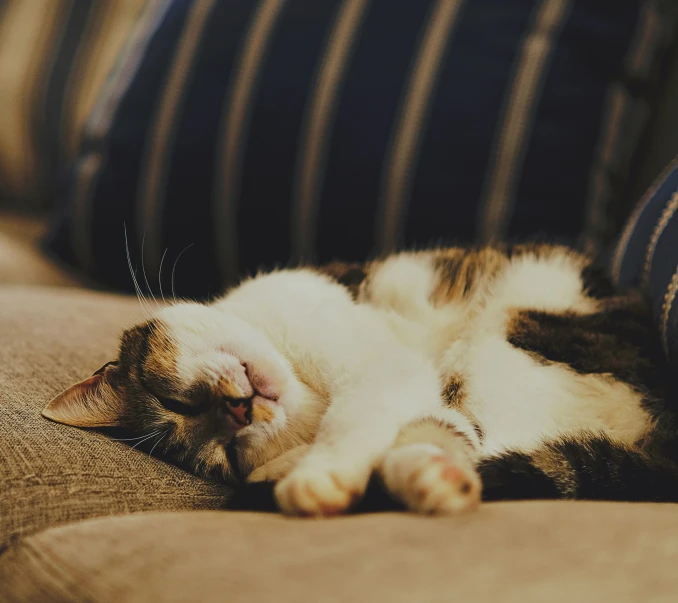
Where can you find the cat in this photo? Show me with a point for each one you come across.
(450, 376)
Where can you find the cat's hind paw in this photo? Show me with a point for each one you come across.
(427, 481)
(315, 489)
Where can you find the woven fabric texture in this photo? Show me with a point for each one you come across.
(52, 474)
(21, 261)
(527, 552)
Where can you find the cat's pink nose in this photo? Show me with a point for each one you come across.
(239, 410)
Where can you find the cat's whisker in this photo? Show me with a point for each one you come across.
(174, 295)
(156, 443)
(143, 270)
(145, 439)
(132, 439)
(140, 296)
(160, 275)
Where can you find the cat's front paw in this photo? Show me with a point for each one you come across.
(317, 488)
(426, 480)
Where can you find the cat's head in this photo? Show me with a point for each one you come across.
(211, 390)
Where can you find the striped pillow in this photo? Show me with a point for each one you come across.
(54, 57)
(248, 133)
(647, 254)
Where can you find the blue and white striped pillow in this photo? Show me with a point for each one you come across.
(647, 255)
(258, 132)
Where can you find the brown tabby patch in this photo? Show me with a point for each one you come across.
(461, 272)
(161, 360)
(619, 340)
(349, 275)
(556, 466)
(262, 413)
(151, 354)
(453, 392)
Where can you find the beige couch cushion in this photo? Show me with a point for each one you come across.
(508, 552)
(21, 259)
(52, 474)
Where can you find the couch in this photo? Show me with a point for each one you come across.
(84, 517)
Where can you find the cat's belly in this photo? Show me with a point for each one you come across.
(520, 401)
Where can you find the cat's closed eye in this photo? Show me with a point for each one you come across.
(176, 406)
(181, 408)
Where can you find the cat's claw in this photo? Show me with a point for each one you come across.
(319, 490)
(427, 481)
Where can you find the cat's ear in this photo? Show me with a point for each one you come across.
(94, 402)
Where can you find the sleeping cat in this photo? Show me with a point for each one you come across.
(449, 375)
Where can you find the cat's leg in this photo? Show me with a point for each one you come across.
(365, 416)
(431, 467)
(279, 466)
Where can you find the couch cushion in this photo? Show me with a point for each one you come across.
(22, 262)
(262, 132)
(50, 473)
(508, 552)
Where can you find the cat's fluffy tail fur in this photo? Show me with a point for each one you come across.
(592, 468)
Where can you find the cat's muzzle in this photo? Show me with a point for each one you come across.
(235, 412)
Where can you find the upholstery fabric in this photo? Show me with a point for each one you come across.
(253, 133)
(647, 255)
(21, 260)
(52, 474)
(527, 552)
(55, 55)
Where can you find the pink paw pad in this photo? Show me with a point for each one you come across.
(428, 481)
